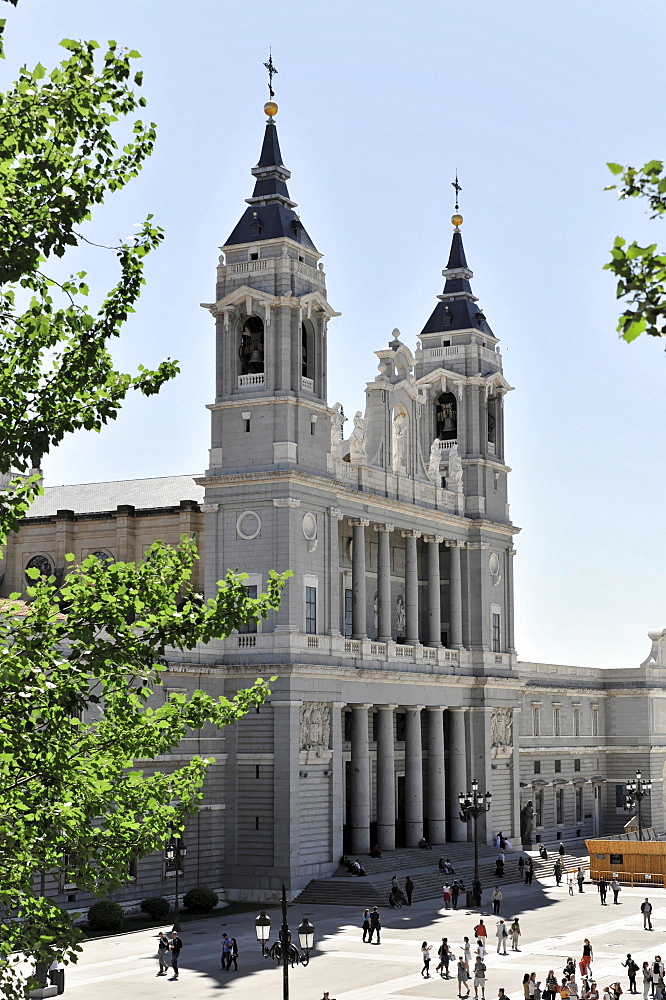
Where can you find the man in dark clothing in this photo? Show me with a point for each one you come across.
(646, 910)
(561, 849)
(409, 889)
(602, 886)
(558, 871)
(175, 945)
(375, 925)
(501, 995)
(632, 969)
(455, 892)
(580, 878)
(529, 872)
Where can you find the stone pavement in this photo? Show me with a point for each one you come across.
(554, 925)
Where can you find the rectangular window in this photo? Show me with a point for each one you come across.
(400, 727)
(348, 614)
(538, 807)
(557, 722)
(249, 627)
(576, 722)
(537, 767)
(579, 804)
(595, 721)
(577, 764)
(558, 766)
(536, 720)
(559, 806)
(621, 797)
(497, 643)
(347, 719)
(311, 610)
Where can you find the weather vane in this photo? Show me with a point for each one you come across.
(458, 188)
(270, 66)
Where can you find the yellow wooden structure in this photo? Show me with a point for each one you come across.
(631, 861)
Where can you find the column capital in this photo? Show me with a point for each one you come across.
(386, 708)
(286, 502)
(413, 708)
(454, 543)
(209, 508)
(356, 522)
(436, 708)
(335, 513)
(433, 538)
(411, 533)
(457, 708)
(338, 704)
(509, 552)
(360, 705)
(384, 527)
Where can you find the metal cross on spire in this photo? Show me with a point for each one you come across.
(458, 188)
(270, 66)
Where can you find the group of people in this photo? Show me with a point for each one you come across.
(451, 892)
(353, 867)
(229, 953)
(372, 925)
(396, 895)
(469, 965)
(168, 952)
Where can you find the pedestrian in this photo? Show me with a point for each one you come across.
(593, 992)
(533, 986)
(425, 953)
(657, 973)
(543, 853)
(444, 954)
(501, 934)
(514, 932)
(573, 989)
(233, 957)
(175, 946)
(617, 991)
(225, 958)
(479, 978)
(632, 969)
(521, 865)
(446, 895)
(463, 977)
(564, 989)
(561, 849)
(480, 950)
(366, 925)
(497, 899)
(569, 969)
(326, 996)
(586, 960)
(455, 892)
(526, 986)
(552, 986)
(557, 871)
(580, 878)
(615, 886)
(409, 889)
(647, 980)
(602, 886)
(501, 995)
(480, 931)
(529, 872)
(395, 886)
(467, 952)
(646, 910)
(163, 953)
(571, 888)
(476, 892)
(375, 925)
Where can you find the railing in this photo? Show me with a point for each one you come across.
(442, 352)
(404, 651)
(631, 878)
(250, 265)
(257, 379)
(307, 383)
(345, 470)
(447, 445)
(378, 649)
(246, 640)
(313, 642)
(429, 654)
(352, 647)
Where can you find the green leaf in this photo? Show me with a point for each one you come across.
(615, 168)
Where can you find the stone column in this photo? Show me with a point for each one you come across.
(455, 596)
(384, 581)
(434, 592)
(359, 611)
(210, 548)
(436, 776)
(457, 780)
(360, 781)
(411, 588)
(337, 780)
(385, 777)
(332, 578)
(509, 601)
(413, 776)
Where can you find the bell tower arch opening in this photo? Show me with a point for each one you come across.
(251, 348)
(307, 350)
(446, 417)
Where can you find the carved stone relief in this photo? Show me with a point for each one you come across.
(315, 726)
(501, 732)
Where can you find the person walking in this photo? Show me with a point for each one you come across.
(560, 849)
(602, 886)
(646, 910)
(586, 960)
(463, 978)
(557, 871)
(480, 931)
(455, 892)
(375, 925)
(175, 947)
(425, 954)
(467, 952)
(446, 896)
(501, 934)
(552, 986)
(366, 925)
(479, 978)
(443, 954)
(571, 888)
(647, 980)
(615, 886)
(225, 958)
(632, 969)
(514, 932)
(233, 956)
(521, 865)
(163, 953)
(529, 871)
(409, 889)
(580, 878)
(497, 899)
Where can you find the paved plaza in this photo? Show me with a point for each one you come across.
(554, 925)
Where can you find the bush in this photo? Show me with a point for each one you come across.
(200, 900)
(156, 906)
(106, 915)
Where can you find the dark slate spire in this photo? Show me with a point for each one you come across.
(271, 214)
(457, 308)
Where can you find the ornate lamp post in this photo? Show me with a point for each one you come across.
(472, 805)
(638, 788)
(176, 851)
(283, 951)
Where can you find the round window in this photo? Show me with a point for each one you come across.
(103, 557)
(248, 524)
(41, 563)
(310, 526)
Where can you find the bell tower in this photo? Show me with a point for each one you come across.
(271, 315)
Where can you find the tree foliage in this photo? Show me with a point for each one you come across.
(641, 271)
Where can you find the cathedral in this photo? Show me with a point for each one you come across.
(397, 678)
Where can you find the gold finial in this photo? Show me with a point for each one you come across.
(270, 109)
(457, 219)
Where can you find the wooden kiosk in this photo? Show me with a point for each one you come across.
(630, 860)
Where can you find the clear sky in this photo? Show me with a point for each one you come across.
(379, 104)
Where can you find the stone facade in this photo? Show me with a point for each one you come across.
(397, 677)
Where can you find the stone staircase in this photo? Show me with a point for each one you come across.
(342, 889)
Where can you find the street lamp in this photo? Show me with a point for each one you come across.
(638, 788)
(283, 951)
(472, 805)
(176, 851)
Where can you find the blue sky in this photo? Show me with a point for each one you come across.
(379, 104)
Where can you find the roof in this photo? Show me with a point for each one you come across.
(97, 498)
(457, 308)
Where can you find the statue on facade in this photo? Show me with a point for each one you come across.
(433, 464)
(527, 824)
(399, 442)
(501, 727)
(400, 612)
(455, 474)
(357, 453)
(315, 726)
(337, 420)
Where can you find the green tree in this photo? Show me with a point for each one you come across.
(81, 662)
(641, 271)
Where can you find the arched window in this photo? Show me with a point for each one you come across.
(446, 417)
(492, 420)
(251, 350)
(307, 350)
(41, 563)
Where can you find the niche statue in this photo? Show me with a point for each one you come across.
(527, 824)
